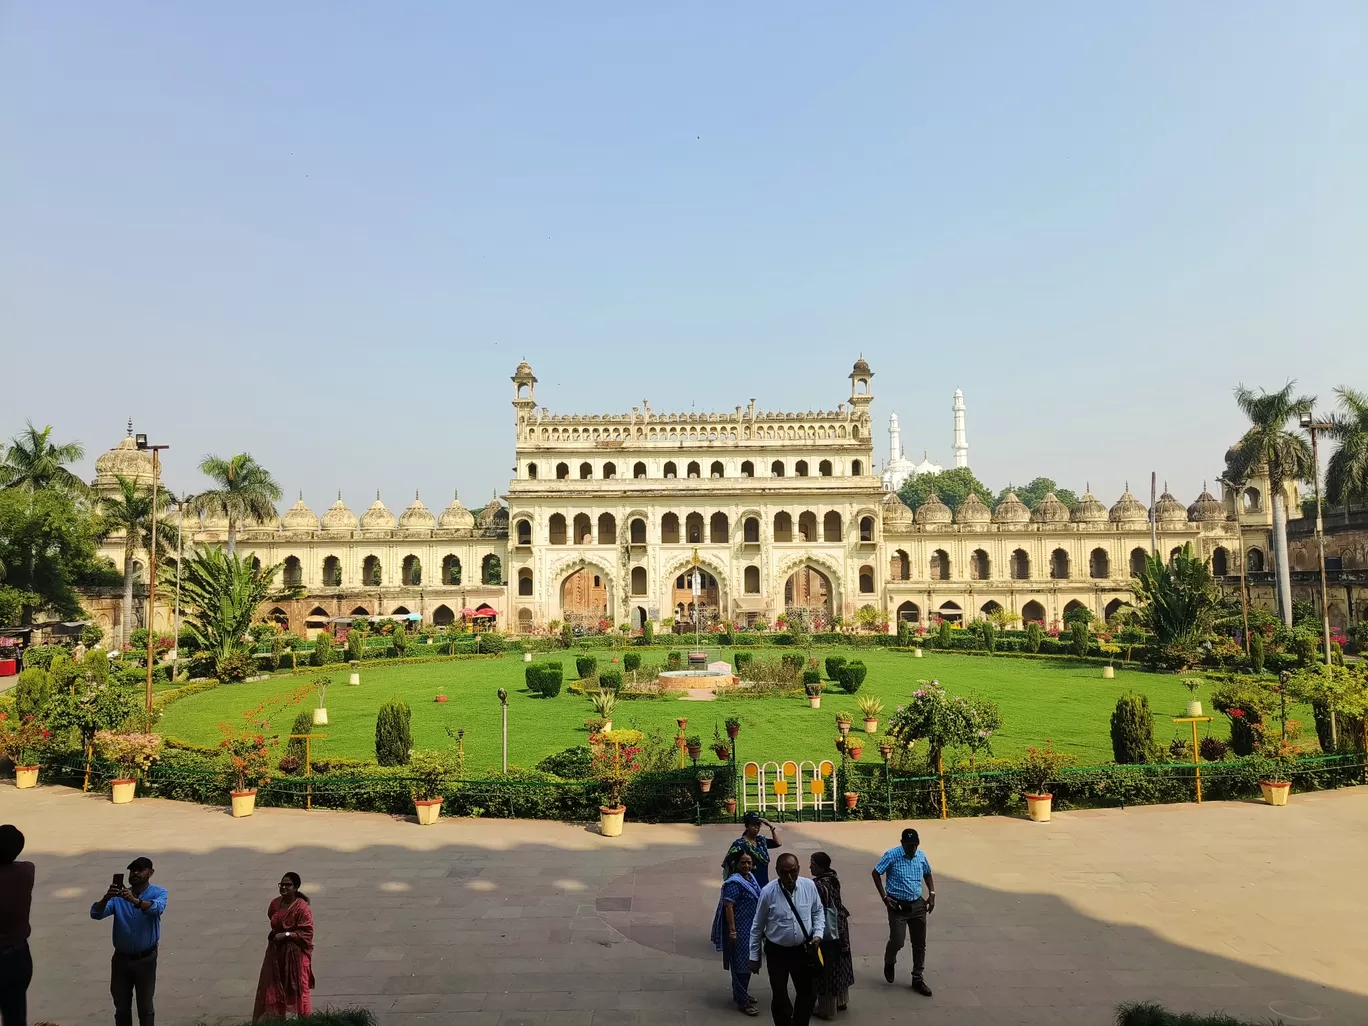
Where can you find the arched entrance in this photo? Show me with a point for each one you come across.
(584, 597)
(908, 611)
(1033, 611)
(808, 594)
(951, 611)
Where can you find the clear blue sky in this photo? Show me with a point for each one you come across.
(325, 233)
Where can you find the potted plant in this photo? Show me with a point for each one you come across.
(683, 722)
(603, 703)
(814, 694)
(430, 770)
(694, 744)
(20, 740)
(733, 726)
(1111, 652)
(730, 805)
(705, 779)
(134, 754)
(843, 721)
(441, 698)
(720, 748)
(851, 797)
(1038, 767)
(354, 678)
(1194, 707)
(614, 761)
(840, 742)
(886, 746)
(871, 707)
(320, 715)
(854, 748)
(248, 753)
(1275, 764)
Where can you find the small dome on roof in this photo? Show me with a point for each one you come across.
(417, 516)
(1089, 510)
(338, 517)
(1128, 510)
(456, 516)
(1169, 510)
(973, 510)
(1050, 511)
(378, 517)
(124, 460)
(1011, 510)
(895, 512)
(861, 367)
(933, 511)
(299, 517)
(1207, 509)
(493, 515)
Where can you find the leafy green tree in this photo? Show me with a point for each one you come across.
(46, 546)
(952, 487)
(245, 491)
(220, 594)
(32, 462)
(1269, 447)
(129, 512)
(1346, 474)
(1177, 602)
(1037, 489)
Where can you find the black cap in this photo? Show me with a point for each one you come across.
(141, 862)
(911, 835)
(751, 819)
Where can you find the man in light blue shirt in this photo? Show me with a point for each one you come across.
(788, 924)
(909, 896)
(137, 910)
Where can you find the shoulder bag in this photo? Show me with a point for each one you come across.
(812, 954)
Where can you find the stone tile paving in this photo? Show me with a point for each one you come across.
(1240, 906)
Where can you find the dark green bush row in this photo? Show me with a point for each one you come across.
(544, 678)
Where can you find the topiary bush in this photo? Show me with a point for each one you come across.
(1035, 636)
(1256, 651)
(833, 666)
(631, 662)
(740, 660)
(811, 677)
(33, 692)
(792, 661)
(294, 747)
(610, 680)
(1132, 730)
(544, 679)
(394, 733)
(851, 675)
(586, 666)
(673, 660)
(95, 665)
(322, 653)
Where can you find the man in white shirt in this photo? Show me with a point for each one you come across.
(788, 924)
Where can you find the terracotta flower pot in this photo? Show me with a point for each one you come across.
(1038, 807)
(851, 797)
(694, 751)
(440, 699)
(610, 820)
(244, 802)
(854, 751)
(428, 811)
(840, 744)
(1275, 792)
(705, 785)
(683, 721)
(730, 805)
(679, 742)
(871, 726)
(722, 753)
(886, 751)
(121, 791)
(733, 731)
(25, 776)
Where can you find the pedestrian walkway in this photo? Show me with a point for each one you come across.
(1239, 906)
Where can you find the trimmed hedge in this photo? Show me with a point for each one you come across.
(610, 680)
(833, 666)
(394, 733)
(850, 675)
(586, 666)
(631, 662)
(544, 678)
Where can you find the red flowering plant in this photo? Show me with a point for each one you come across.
(22, 739)
(616, 757)
(249, 751)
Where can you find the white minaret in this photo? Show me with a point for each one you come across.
(961, 446)
(894, 439)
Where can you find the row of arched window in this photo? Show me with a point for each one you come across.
(1059, 566)
(410, 573)
(725, 433)
(693, 529)
(693, 469)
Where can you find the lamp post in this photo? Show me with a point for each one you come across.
(1310, 424)
(142, 443)
(503, 702)
(180, 531)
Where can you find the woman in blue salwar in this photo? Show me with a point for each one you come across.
(731, 931)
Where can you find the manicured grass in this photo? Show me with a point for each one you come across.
(1066, 702)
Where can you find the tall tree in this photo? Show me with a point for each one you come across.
(1032, 493)
(1346, 475)
(32, 461)
(1285, 456)
(129, 511)
(1177, 603)
(951, 486)
(221, 593)
(245, 491)
(46, 545)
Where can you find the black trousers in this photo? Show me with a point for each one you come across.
(130, 975)
(910, 916)
(16, 971)
(786, 963)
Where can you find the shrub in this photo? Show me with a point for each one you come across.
(323, 650)
(91, 635)
(42, 656)
(400, 642)
(1035, 634)
(631, 662)
(356, 644)
(1080, 636)
(1213, 749)
(647, 633)
(571, 764)
(811, 677)
(740, 660)
(904, 633)
(792, 661)
(673, 660)
(1256, 651)
(851, 675)
(33, 692)
(393, 733)
(610, 680)
(544, 678)
(233, 667)
(1132, 730)
(96, 666)
(1146, 1013)
(490, 643)
(294, 748)
(833, 666)
(586, 666)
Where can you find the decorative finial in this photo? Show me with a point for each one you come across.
(301, 495)
(339, 495)
(415, 495)
(377, 495)
(130, 427)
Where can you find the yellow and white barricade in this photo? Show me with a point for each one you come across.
(788, 787)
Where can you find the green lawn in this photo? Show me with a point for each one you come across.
(1063, 701)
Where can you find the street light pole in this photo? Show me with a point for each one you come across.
(1310, 424)
(180, 531)
(152, 574)
(503, 702)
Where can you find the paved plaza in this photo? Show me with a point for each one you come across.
(1240, 906)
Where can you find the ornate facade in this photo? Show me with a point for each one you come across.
(611, 515)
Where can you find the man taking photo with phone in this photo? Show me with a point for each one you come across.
(137, 910)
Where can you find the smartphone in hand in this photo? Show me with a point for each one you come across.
(118, 883)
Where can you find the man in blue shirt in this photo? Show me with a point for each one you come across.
(137, 910)
(909, 896)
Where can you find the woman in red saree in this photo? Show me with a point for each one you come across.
(286, 971)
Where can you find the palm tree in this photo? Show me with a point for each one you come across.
(1269, 447)
(1346, 475)
(246, 491)
(130, 511)
(1177, 603)
(33, 462)
(221, 594)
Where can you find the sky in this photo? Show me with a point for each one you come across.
(325, 233)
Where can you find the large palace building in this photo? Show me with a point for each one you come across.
(610, 516)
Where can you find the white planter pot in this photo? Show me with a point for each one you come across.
(1194, 708)
(610, 820)
(1038, 807)
(25, 776)
(354, 679)
(320, 717)
(871, 726)
(815, 701)
(1108, 672)
(527, 657)
(244, 803)
(916, 653)
(121, 791)
(1275, 792)
(428, 811)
